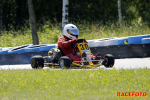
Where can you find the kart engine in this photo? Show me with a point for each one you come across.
(54, 55)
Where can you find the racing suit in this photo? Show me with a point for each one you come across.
(65, 44)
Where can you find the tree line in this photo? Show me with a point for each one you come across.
(15, 12)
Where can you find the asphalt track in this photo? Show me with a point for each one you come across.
(128, 63)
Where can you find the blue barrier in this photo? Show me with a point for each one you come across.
(27, 48)
(47, 48)
(146, 41)
(34, 48)
(136, 39)
(19, 49)
(5, 50)
(122, 41)
(110, 41)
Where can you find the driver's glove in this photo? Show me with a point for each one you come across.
(74, 41)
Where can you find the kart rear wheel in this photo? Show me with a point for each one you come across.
(108, 61)
(65, 62)
(37, 62)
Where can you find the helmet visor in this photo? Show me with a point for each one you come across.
(73, 32)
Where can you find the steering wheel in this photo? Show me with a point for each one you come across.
(81, 40)
(78, 41)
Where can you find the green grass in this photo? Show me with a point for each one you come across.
(50, 33)
(65, 84)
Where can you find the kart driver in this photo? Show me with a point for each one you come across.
(68, 40)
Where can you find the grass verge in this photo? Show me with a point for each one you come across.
(73, 84)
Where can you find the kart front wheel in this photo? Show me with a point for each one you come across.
(65, 62)
(108, 61)
(37, 62)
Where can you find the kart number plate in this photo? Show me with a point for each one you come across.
(84, 47)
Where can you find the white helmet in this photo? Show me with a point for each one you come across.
(71, 31)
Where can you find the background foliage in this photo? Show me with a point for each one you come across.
(95, 19)
(15, 12)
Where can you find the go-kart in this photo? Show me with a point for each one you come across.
(56, 58)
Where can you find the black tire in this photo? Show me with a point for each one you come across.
(108, 61)
(65, 62)
(37, 62)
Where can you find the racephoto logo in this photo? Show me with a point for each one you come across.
(131, 94)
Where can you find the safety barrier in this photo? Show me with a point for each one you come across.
(137, 39)
(141, 39)
(146, 40)
(23, 54)
(124, 51)
(5, 50)
(125, 47)
(20, 49)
